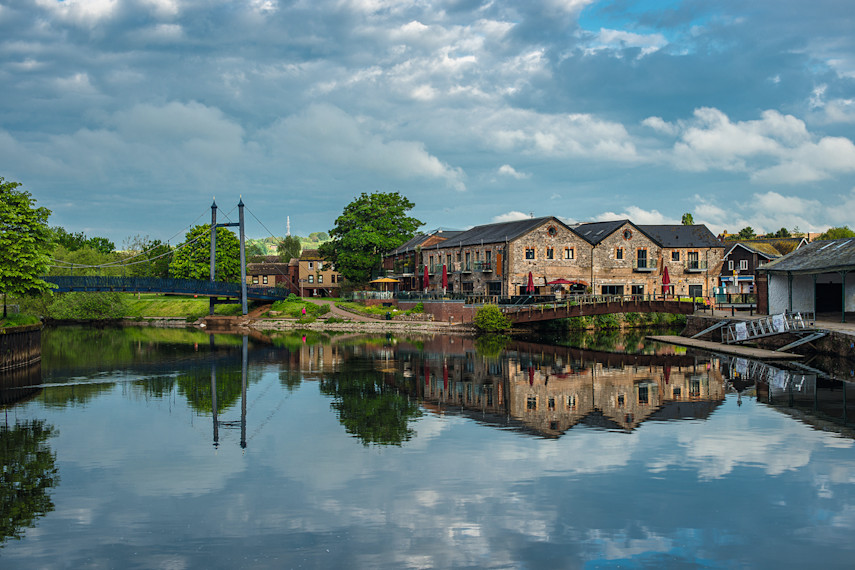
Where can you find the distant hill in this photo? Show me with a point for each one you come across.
(268, 245)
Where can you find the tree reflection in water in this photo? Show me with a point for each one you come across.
(27, 472)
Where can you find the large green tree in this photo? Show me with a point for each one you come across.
(25, 241)
(837, 233)
(193, 261)
(289, 248)
(687, 219)
(146, 257)
(368, 227)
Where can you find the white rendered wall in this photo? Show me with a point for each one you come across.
(779, 296)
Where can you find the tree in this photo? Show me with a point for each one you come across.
(746, 233)
(782, 233)
(193, 261)
(491, 319)
(368, 227)
(289, 248)
(74, 241)
(25, 241)
(837, 233)
(146, 257)
(688, 220)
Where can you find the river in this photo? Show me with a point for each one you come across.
(172, 448)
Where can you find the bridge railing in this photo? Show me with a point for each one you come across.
(65, 283)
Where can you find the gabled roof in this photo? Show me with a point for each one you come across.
(417, 240)
(816, 257)
(499, 232)
(678, 235)
(781, 246)
(595, 232)
(764, 249)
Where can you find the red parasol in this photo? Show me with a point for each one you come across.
(530, 376)
(444, 278)
(426, 279)
(562, 282)
(666, 281)
(530, 287)
(445, 376)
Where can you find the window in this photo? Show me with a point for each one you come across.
(675, 256)
(255, 279)
(468, 262)
(551, 231)
(621, 400)
(264, 280)
(694, 260)
(529, 253)
(619, 253)
(612, 290)
(696, 290)
(643, 397)
(488, 256)
(638, 289)
(730, 265)
(568, 253)
(627, 234)
(743, 264)
(320, 278)
(551, 403)
(431, 264)
(550, 253)
(571, 402)
(531, 403)
(641, 256)
(311, 278)
(678, 392)
(311, 265)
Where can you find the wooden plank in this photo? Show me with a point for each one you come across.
(736, 350)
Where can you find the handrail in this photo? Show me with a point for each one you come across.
(92, 283)
(766, 326)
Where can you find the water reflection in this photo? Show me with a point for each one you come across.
(27, 473)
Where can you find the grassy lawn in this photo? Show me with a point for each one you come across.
(154, 305)
(17, 320)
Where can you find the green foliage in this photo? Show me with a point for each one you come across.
(24, 243)
(289, 248)
(194, 261)
(27, 473)
(490, 318)
(782, 233)
(837, 233)
(319, 236)
(368, 227)
(687, 220)
(491, 345)
(368, 407)
(293, 307)
(579, 323)
(746, 233)
(18, 320)
(146, 257)
(419, 308)
(81, 261)
(85, 306)
(74, 241)
(607, 321)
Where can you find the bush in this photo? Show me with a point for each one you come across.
(85, 306)
(490, 318)
(608, 321)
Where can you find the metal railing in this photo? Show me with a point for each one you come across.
(65, 283)
(696, 265)
(643, 265)
(766, 326)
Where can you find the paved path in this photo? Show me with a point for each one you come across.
(340, 312)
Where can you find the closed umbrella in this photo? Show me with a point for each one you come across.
(530, 287)
(444, 279)
(666, 282)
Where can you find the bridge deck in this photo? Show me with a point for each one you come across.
(88, 284)
(589, 305)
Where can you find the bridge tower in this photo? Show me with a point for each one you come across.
(240, 224)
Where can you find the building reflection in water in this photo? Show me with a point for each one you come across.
(818, 398)
(544, 390)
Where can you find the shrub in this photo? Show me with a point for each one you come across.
(419, 308)
(607, 321)
(490, 318)
(84, 306)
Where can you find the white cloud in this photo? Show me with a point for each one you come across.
(510, 217)
(637, 215)
(508, 170)
(615, 40)
(84, 12)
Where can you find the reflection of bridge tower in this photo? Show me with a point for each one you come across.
(230, 424)
(214, 225)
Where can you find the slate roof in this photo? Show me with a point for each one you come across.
(497, 233)
(681, 236)
(816, 257)
(595, 232)
(419, 239)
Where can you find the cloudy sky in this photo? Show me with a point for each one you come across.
(127, 117)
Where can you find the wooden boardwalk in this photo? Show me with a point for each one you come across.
(732, 349)
(590, 305)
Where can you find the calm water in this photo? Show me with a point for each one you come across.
(146, 448)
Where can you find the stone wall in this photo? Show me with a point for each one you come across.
(445, 311)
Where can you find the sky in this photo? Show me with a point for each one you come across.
(129, 117)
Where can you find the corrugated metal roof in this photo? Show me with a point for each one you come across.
(817, 257)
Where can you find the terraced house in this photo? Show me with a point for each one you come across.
(549, 257)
